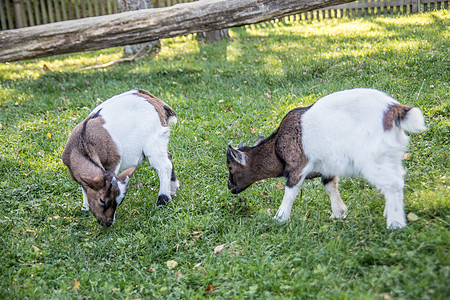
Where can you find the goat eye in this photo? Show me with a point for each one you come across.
(102, 202)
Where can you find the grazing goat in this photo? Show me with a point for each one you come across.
(357, 132)
(117, 135)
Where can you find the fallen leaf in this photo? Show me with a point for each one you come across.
(412, 217)
(76, 285)
(407, 156)
(219, 249)
(209, 288)
(36, 248)
(171, 264)
(178, 275)
(200, 267)
(280, 185)
(138, 184)
(49, 134)
(47, 68)
(252, 130)
(18, 152)
(308, 214)
(151, 270)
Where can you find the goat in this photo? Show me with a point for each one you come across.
(117, 135)
(358, 132)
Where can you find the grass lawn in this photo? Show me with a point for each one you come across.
(228, 246)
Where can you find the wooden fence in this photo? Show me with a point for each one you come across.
(24, 13)
(373, 7)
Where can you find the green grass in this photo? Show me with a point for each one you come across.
(231, 91)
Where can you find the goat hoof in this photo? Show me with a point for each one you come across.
(280, 218)
(396, 225)
(340, 216)
(162, 200)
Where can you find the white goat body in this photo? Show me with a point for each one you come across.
(357, 132)
(116, 136)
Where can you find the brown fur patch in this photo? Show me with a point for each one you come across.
(394, 114)
(164, 111)
(281, 154)
(289, 146)
(90, 150)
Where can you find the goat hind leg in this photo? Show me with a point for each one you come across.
(389, 180)
(159, 159)
(174, 183)
(394, 211)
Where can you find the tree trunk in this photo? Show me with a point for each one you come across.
(145, 25)
(213, 36)
(130, 5)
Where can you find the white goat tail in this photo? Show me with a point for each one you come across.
(414, 121)
(172, 120)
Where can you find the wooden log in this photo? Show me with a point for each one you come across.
(145, 25)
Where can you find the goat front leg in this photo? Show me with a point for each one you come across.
(338, 207)
(85, 206)
(290, 193)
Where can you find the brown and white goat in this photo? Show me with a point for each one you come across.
(357, 132)
(118, 135)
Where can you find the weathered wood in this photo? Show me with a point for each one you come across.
(145, 25)
(131, 5)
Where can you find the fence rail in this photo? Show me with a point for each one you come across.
(378, 7)
(23, 13)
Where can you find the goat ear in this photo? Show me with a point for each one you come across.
(236, 155)
(114, 182)
(259, 140)
(127, 173)
(94, 183)
(240, 145)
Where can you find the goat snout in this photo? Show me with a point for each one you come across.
(107, 223)
(231, 187)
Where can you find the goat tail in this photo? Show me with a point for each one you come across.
(413, 121)
(405, 117)
(172, 120)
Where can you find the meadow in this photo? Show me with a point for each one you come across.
(208, 243)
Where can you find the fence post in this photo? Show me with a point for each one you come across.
(415, 6)
(18, 13)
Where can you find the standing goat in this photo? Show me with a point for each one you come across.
(118, 135)
(357, 132)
